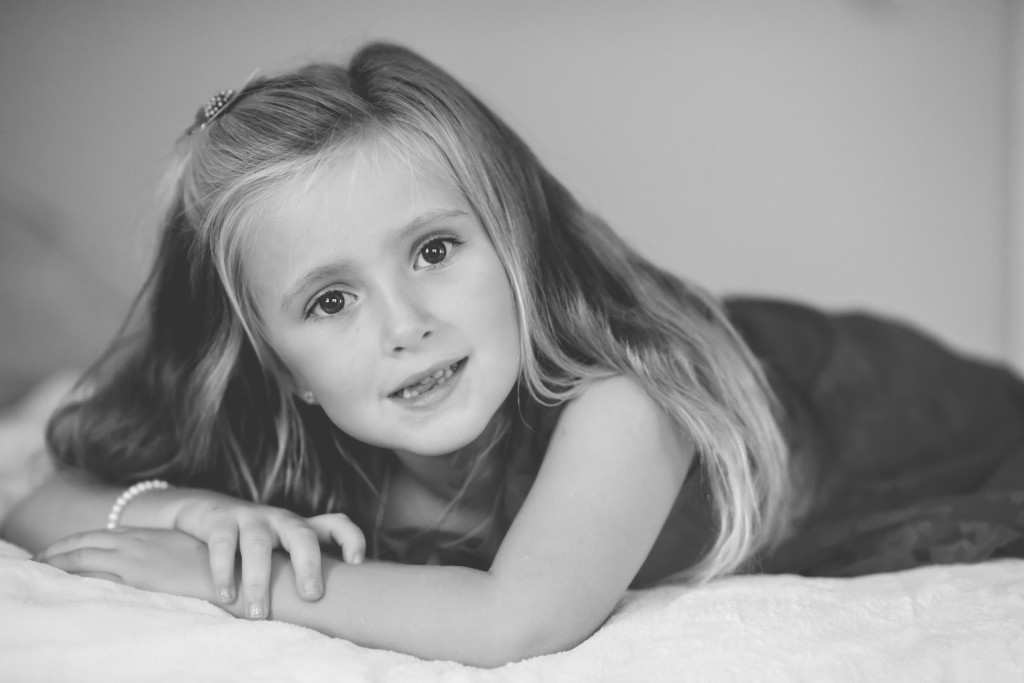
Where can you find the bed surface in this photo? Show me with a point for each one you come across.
(947, 623)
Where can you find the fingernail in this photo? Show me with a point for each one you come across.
(311, 587)
(226, 595)
(255, 611)
(357, 558)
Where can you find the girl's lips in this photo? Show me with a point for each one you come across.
(425, 382)
(432, 392)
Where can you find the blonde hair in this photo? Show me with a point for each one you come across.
(208, 404)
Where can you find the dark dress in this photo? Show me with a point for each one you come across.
(912, 454)
(915, 454)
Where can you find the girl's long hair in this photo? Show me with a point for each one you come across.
(192, 393)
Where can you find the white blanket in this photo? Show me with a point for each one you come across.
(952, 623)
(956, 623)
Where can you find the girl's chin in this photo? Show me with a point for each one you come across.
(445, 445)
(438, 438)
(440, 450)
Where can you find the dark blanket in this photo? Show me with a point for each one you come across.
(913, 454)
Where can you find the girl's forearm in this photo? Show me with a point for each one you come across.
(434, 612)
(71, 501)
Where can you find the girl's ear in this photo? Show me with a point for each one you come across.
(293, 387)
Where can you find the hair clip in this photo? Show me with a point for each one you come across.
(217, 105)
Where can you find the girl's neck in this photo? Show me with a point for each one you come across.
(446, 475)
(432, 472)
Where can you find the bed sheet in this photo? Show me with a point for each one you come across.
(947, 623)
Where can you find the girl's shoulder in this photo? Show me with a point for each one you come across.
(617, 406)
(613, 396)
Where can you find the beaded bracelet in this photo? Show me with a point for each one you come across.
(131, 492)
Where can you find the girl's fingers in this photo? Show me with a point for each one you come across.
(86, 539)
(223, 546)
(84, 562)
(302, 544)
(339, 529)
(106, 576)
(256, 544)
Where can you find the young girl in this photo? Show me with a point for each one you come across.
(376, 322)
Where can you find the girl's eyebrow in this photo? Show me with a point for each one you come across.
(400, 236)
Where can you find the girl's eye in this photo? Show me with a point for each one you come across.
(434, 252)
(328, 303)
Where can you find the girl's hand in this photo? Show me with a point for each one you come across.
(228, 524)
(154, 559)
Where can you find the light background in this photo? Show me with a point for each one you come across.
(848, 153)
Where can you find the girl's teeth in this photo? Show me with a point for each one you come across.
(439, 377)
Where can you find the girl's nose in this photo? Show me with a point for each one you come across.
(406, 321)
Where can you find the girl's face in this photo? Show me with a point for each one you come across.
(381, 292)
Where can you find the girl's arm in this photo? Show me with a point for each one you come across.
(72, 501)
(611, 474)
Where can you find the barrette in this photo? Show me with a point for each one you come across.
(218, 104)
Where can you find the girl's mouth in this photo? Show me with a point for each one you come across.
(436, 380)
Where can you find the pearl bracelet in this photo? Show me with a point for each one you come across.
(131, 492)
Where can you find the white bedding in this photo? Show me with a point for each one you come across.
(951, 623)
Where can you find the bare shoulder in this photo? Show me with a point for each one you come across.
(617, 398)
(614, 392)
(618, 410)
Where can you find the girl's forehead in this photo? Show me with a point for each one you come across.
(357, 192)
(357, 174)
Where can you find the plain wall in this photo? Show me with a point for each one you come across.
(1015, 185)
(849, 153)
